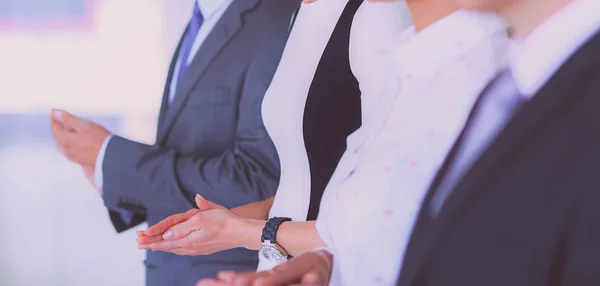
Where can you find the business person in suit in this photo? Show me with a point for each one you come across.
(211, 139)
(516, 202)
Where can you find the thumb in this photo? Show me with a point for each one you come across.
(67, 119)
(183, 229)
(204, 204)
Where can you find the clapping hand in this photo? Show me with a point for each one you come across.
(206, 230)
(79, 140)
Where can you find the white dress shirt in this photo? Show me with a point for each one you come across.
(369, 208)
(375, 25)
(212, 10)
(535, 59)
(285, 100)
(532, 63)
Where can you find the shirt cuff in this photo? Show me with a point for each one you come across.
(98, 176)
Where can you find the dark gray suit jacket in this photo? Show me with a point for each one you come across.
(211, 139)
(527, 212)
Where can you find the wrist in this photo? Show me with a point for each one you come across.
(248, 233)
(240, 212)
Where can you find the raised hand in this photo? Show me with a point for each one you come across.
(78, 139)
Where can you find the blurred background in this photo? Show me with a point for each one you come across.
(105, 60)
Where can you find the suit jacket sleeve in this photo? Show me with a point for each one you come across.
(142, 178)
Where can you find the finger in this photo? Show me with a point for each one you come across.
(166, 246)
(64, 142)
(211, 282)
(313, 278)
(181, 252)
(139, 233)
(68, 145)
(165, 224)
(321, 272)
(88, 171)
(248, 278)
(61, 148)
(276, 279)
(226, 276)
(183, 229)
(68, 120)
(287, 273)
(57, 129)
(146, 240)
(192, 244)
(62, 127)
(204, 204)
(56, 125)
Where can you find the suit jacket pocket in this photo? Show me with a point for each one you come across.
(216, 96)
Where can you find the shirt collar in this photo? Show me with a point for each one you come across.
(428, 51)
(535, 59)
(209, 7)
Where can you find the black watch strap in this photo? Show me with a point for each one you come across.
(270, 230)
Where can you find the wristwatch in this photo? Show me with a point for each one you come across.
(270, 249)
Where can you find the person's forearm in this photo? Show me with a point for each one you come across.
(258, 210)
(294, 237)
(134, 170)
(298, 237)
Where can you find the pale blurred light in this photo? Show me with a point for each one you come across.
(54, 230)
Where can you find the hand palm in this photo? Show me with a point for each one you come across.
(196, 232)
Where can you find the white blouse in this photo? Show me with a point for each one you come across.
(284, 103)
(369, 207)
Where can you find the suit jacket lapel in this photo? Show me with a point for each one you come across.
(229, 24)
(167, 90)
(534, 117)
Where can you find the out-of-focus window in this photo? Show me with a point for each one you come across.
(101, 59)
(46, 14)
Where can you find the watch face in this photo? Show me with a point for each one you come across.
(273, 254)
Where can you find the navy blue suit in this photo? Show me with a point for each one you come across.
(211, 139)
